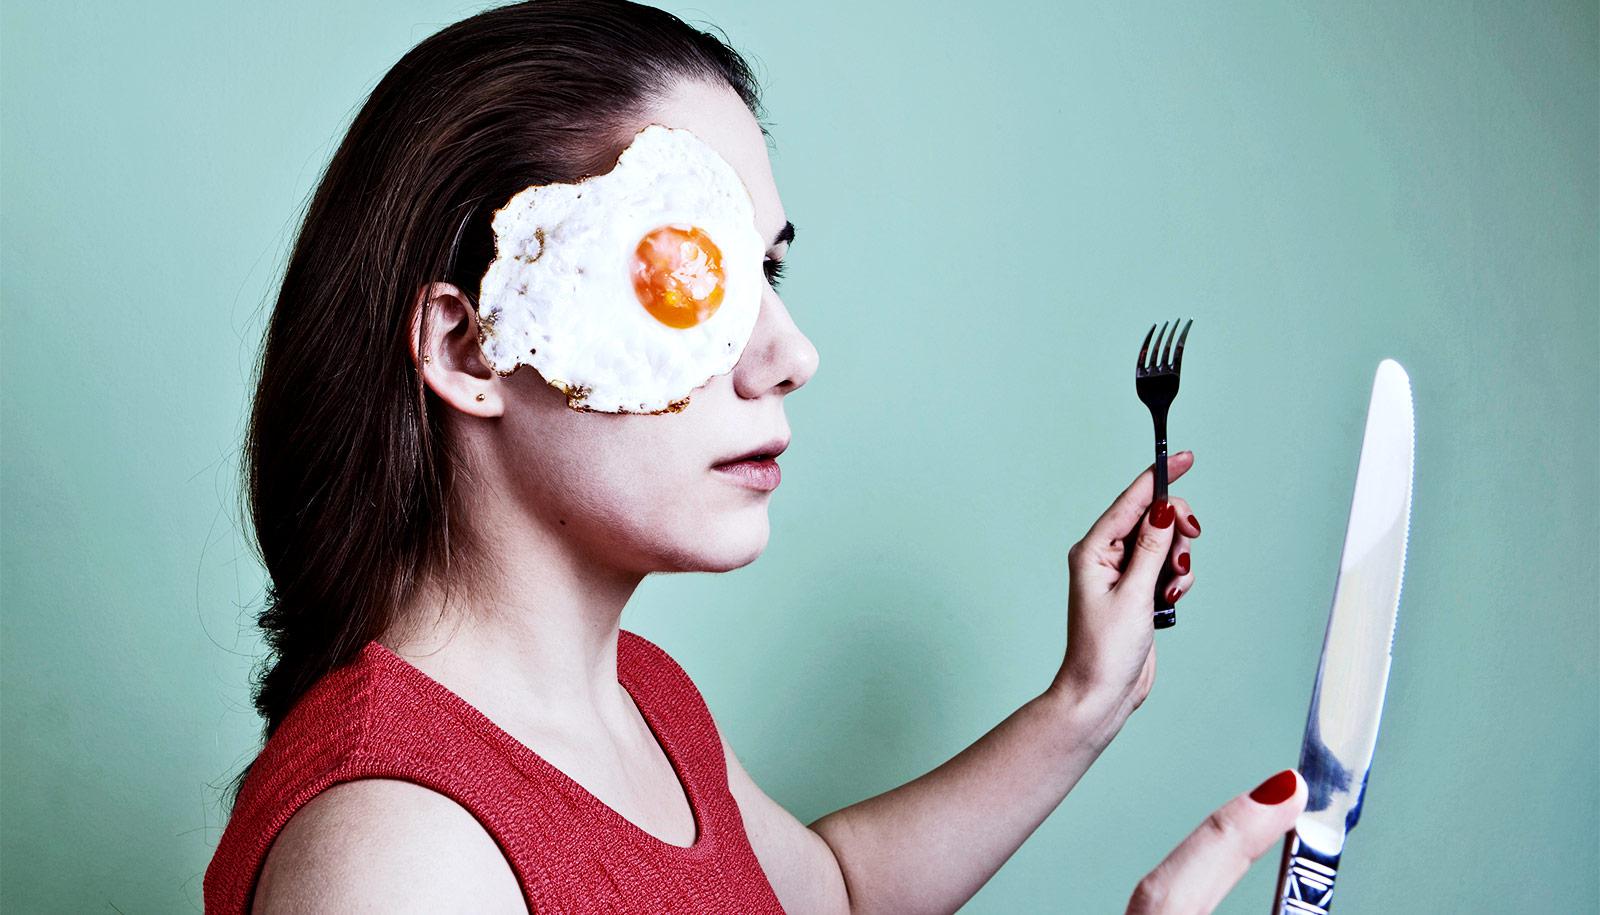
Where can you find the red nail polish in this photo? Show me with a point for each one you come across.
(1163, 514)
(1173, 594)
(1183, 563)
(1196, 522)
(1276, 789)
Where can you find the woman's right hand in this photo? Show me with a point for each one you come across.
(1207, 864)
(1110, 658)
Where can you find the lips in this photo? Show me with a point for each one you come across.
(756, 469)
(764, 451)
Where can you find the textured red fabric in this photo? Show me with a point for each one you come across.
(381, 717)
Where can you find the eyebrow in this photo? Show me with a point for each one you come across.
(785, 234)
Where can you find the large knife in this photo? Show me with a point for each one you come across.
(1347, 702)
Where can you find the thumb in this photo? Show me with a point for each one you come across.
(1205, 867)
(1151, 543)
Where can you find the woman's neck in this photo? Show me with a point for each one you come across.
(531, 642)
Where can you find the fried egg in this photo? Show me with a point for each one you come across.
(627, 290)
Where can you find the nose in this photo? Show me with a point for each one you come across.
(778, 356)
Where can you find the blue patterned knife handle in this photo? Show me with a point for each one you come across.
(1305, 879)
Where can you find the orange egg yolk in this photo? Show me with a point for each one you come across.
(678, 276)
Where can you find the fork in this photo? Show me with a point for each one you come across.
(1157, 383)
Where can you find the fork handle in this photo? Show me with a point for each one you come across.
(1160, 417)
(1165, 617)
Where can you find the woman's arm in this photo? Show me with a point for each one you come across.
(930, 844)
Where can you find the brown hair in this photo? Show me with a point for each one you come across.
(347, 468)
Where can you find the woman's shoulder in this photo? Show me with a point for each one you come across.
(374, 784)
(641, 660)
(386, 843)
(398, 840)
(365, 757)
(347, 716)
(646, 668)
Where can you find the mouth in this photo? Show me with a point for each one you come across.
(755, 469)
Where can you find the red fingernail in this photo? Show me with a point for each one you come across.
(1183, 563)
(1173, 593)
(1163, 514)
(1276, 789)
(1196, 522)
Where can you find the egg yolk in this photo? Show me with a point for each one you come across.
(678, 276)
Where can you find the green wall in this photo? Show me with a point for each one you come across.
(995, 201)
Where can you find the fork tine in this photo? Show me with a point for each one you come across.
(1177, 366)
(1139, 368)
(1155, 354)
(1166, 355)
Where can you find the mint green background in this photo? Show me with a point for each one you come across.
(995, 201)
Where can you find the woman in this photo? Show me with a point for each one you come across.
(455, 720)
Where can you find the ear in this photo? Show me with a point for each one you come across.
(444, 346)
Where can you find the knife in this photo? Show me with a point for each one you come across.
(1347, 701)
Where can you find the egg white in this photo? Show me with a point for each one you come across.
(559, 294)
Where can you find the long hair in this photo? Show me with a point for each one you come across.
(347, 467)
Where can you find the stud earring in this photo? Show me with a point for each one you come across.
(479, 398)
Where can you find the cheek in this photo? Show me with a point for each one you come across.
(636, 490)
(648, 511)
(601, 471)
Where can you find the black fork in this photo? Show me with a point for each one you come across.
(1157, 381)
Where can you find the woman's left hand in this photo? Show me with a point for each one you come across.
(1206, 865)
(1114, 570)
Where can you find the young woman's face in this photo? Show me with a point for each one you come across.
(642, 493)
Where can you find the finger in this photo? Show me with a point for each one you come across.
(1147, 556)
(1119, 519)
(1187, 523)
(1178, 571)
(1180, 557)
(1175, 589)
(1207, 864)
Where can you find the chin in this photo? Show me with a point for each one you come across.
(733, 544)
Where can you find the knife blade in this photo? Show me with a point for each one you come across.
(1353, 673)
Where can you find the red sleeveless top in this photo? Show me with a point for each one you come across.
(380, 717)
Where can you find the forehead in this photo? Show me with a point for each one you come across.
(716, 115)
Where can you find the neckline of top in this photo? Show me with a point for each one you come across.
(527, 758)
